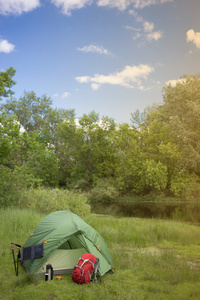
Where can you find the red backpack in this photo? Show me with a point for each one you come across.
(87, 264)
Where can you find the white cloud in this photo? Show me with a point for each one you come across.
(94, 86)
(6, 47)
(68, 5)
(174, 82)
(129, 77)
(124, 4)
(137, 30)
(94, 49)
(193, 37)
(136, 36)
(144, 3)
(17, 7)
(156, 35)
(148, 27)
(136, 16)
(65, 95)
(55, 95)
(148, 33)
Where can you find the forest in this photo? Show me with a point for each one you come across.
(158, 153)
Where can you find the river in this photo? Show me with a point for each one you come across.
(189, 212)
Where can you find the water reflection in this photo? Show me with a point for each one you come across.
(181, 211)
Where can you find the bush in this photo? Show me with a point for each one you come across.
(104, 191)
(12, 183)
(153, 175)
(186, 186)
(7, 191)
(50, 200)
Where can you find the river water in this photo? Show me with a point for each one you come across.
(189, 212)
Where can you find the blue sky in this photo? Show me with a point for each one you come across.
(110, 56)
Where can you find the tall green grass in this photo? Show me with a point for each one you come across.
(153, 260)
(50, 200)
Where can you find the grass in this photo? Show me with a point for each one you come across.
(153, 259)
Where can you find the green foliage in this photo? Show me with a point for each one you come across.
(6, 82)
(128, 157)
(12, 183)
(181, 110)
(104, 191)
(84, 149)
(186, 186)
(9, 133)
(138, 118)
(153, 175)
(160, 152)
(31, 110)
(37, 158)
(50, 200)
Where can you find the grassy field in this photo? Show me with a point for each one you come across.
(153, 259)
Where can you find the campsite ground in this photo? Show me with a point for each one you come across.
(154, 259)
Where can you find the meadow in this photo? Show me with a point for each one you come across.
(154, 259)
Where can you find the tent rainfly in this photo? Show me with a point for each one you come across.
(60, 239)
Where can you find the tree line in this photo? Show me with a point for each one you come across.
(158, 152)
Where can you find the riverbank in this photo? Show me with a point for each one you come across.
(154, 259)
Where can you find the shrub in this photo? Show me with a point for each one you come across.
(50, 200)
(153, 175)
(104, 191)
(12, 183)
(186, 185)
(7, 191)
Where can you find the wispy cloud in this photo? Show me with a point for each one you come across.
(55, 95)
(156, 35)
(147, 32)
(95, 49)
(17, 7)
(124, 4)
(129, 77)
(194, 37)
(6, 47)
(68, 5)
(65, 95)
(148, 27)
(132, 28)
(150, 34)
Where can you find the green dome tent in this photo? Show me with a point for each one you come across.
(60, 239)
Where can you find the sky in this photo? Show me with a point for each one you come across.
(110, 56)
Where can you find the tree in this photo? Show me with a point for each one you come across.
(6, 82)
(153, 175)
(169, 135)
(9, 134)
(53, 119)
(32, 111)
(37, 159)
(181, 110)
(138, 118)
(128, 158)
(84, 148)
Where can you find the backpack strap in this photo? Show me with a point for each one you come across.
(96, 269)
